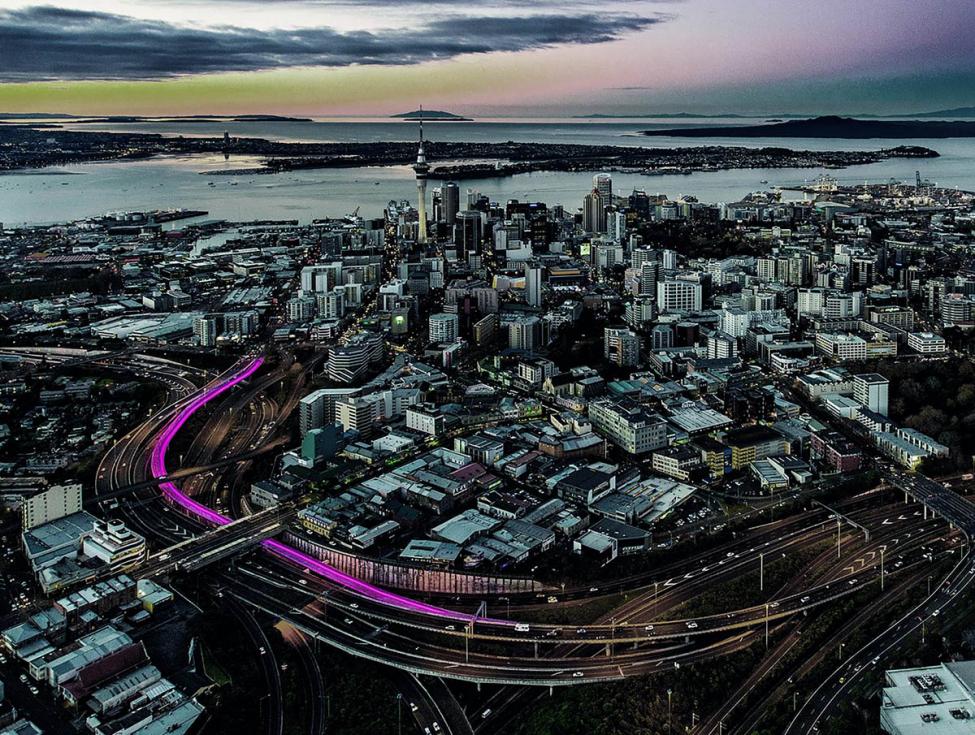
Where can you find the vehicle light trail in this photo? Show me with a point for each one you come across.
(157, 465)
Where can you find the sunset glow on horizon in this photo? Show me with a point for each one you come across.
(361, 57)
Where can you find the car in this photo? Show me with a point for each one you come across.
(23, 678)
(348, 621)
(486, 713)
(773, 605)
(580, 631)
(354, 605)
(936, 613)
(436, 726)
(804, 600)
(649, 629)
(852, 582)
(34, 690)
(691, 625)
(577, 675)
(552, 599)
(450, 627)
(413, 707)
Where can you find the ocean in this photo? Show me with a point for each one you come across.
(56, 195)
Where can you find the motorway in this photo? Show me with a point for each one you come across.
(388, 628)
(835, 688)
(393, 608)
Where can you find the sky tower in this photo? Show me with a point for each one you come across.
(422, 168)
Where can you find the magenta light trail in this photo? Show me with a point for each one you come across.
(171, 492)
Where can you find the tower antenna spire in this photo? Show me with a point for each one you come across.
(421, 168)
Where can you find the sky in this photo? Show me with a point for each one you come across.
(535, 58)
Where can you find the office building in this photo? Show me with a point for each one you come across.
(321, 444)
(317, 409)
(468, 233)
(722, 346)
(425, 418)
(322, 277)
(113, 543)
(350, 362)
(301, 307)
(357, 413)
(870, 390)
(50, 505)
(594, 213)
(679, 296)
(205, 331)
(450, 201)
(443, 328)
(533, 284)
(927, 343)
(628, 425)
(526, 333)
(603, 184)
(621, 347)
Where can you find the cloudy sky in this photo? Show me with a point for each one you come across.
(495, 57)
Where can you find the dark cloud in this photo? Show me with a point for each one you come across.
(58, 43)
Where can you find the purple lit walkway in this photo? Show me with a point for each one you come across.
(175, 495)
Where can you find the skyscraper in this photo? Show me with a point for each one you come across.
(594, 212)
(205, 330)
(450, 201)
(468, 232)
(421, 168)
(621, 346)
(603, 183)
(533, 284)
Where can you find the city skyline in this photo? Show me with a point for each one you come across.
(513, 368)
(508, 57)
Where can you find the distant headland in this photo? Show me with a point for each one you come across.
(431, 116)
(830, 126)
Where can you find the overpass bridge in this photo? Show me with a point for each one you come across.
(954, 508)
(183, 473)
(214, 545)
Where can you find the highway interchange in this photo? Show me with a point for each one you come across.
(640, 636)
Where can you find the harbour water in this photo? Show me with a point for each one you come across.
(57, 195)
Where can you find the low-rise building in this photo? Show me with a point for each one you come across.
(931, 700)
(628, 425)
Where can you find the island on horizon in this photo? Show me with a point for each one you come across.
(149, 118)
(830, 126)
(431, 116)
